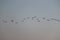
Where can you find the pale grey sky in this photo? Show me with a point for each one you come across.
(19, 9)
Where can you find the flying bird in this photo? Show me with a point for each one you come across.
(38, 20)
(28, 17)
(48, 20)
(55, 19)
(43, 18)
(16, 22)
(12, 20)
(23, 19)
(4, 21)
(34, 17)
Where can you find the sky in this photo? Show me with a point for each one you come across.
(18, 9)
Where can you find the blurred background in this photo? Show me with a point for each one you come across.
(29, 20)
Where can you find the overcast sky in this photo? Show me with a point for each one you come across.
(19, 9)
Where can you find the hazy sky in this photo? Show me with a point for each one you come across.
(19, 9)
(44, 8)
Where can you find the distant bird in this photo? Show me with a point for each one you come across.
(38, 20)
(23, 19)
(16, 22)
(12, 20)
(55, 19)
(28, 17)
(43, 18)
(48, 20)
(34, 17)
(4, 21)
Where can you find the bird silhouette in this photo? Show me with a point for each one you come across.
(48, 20)
(23, 20)
(28, 17)
(4, 21)
(12, 20)
(38, 20)
(43, 18)
(55, 19)
(34, 17)
(16, 22)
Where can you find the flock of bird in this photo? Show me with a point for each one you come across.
(32, 18)
(38, 19)
(35, 17)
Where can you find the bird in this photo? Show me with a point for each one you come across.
(48, 20)
(16, 22)
(28, 17)
(34, 17)
(12, 20)
(38, 20)
(55, 19)
(43, 18)
(23, 20)
(4, 21)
